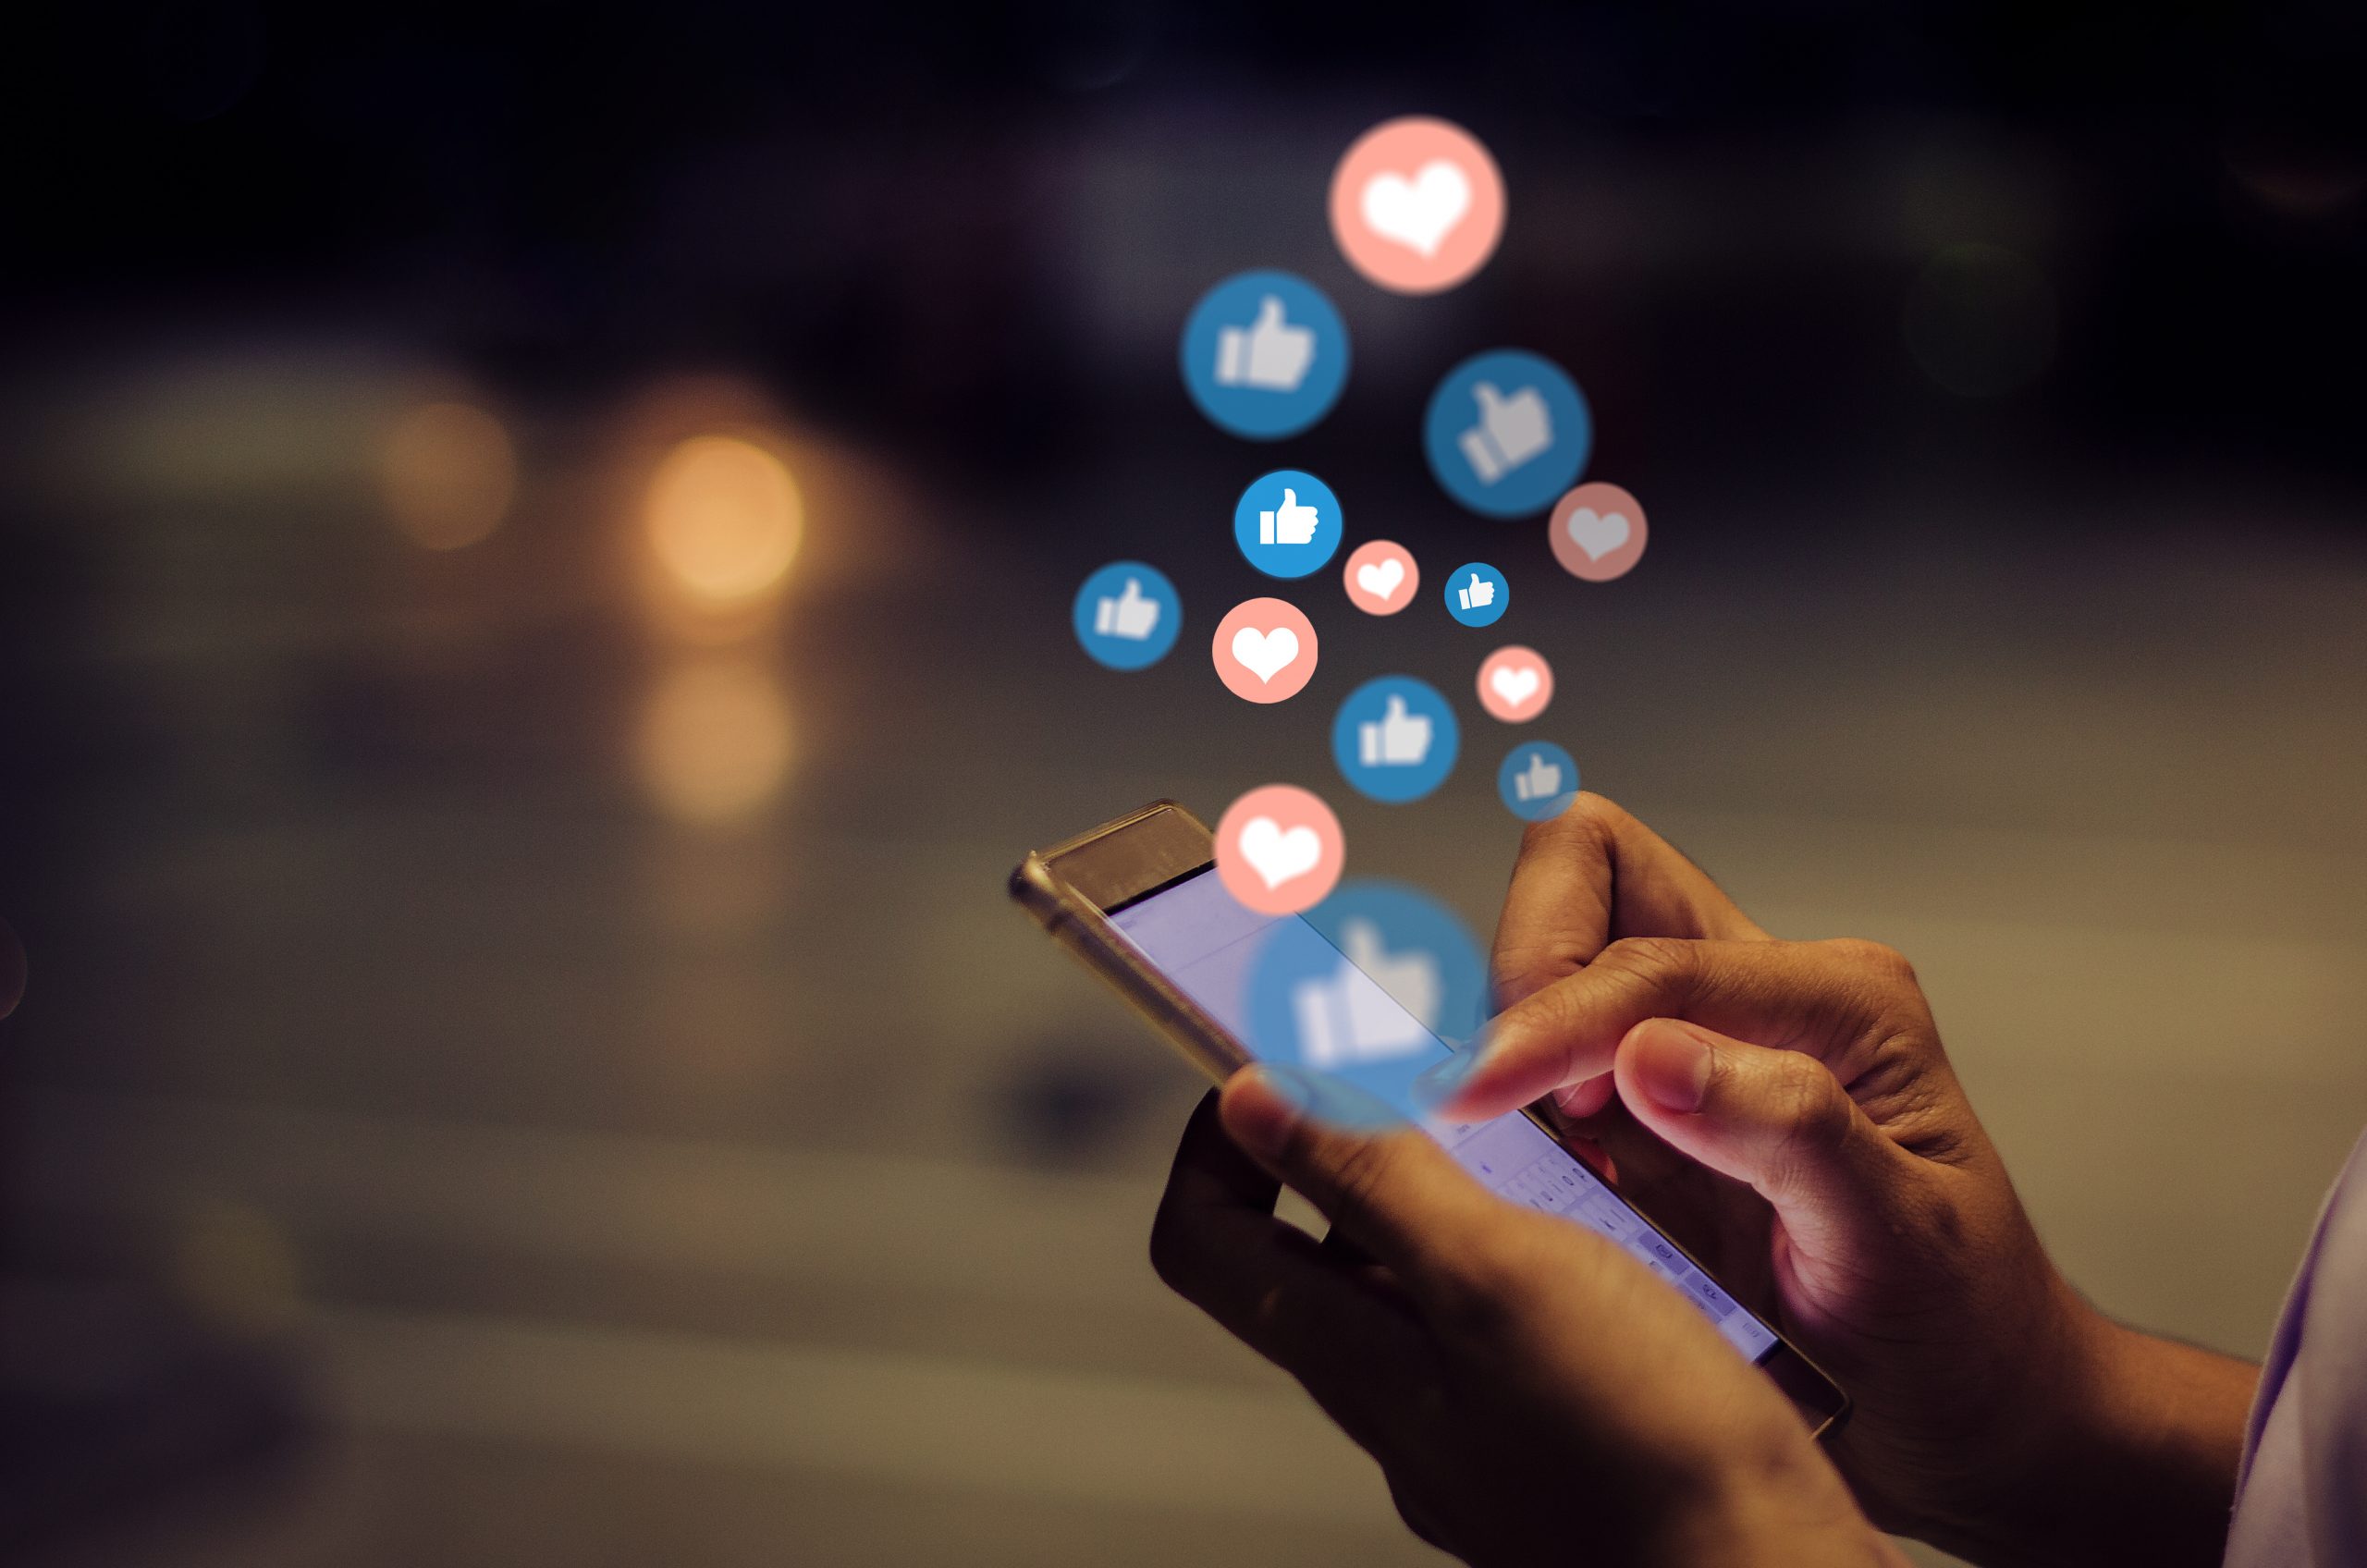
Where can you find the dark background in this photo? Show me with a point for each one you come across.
(524, 1064)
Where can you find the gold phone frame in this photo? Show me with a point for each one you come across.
(1156, 845)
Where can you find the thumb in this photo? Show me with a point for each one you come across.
(1290, 498)
(1393, 710)
(1777, 1121)
(1397, 1193)
(1490, 399)
(1132, 593)
(1270, 312)
(1477, 582)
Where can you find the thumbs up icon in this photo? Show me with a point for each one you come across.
(1397, 739)
(1476, 594)
(1411, 977)
(1290, 523)
(1132, 614)
(1269, 355)
(1511, 431)
(1361, 1012)
(1540, 780)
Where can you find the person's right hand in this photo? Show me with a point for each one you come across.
(1787, 1108)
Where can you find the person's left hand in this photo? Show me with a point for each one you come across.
(1517, 1375)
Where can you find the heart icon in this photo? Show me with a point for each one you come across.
(1598, 536)
(1277, 856)
(1381, 579)
(1515, 685)
(1265, 654)
(1419, 213)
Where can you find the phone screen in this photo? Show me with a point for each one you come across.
(1204, 941)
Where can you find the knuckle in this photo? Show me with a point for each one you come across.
(1815, 1116)
(1589, 822)
(1878, 957)
(1598, 815)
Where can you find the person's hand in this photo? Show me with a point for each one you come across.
(1786, 1110)
(1530, 1391)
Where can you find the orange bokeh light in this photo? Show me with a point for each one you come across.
(724, 519)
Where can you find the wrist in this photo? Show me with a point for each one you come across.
(1768, 1529)
(1772, 1504)
(1997, 1461)
(2128, 1443)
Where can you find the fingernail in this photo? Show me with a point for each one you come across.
(1451, 1071)
(1583, 1099)
(1671, 1064)
(1290, 1085)
(1435, 1083)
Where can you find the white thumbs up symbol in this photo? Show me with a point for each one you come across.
(1269, 355)
(1289, 524)
(1373, 1008)
(1131, 615)
(1396, 738)
(1540, 780)
(1476, 594)
(1411, 978)
(1510, 432)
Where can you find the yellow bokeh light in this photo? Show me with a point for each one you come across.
(724, 519)
(449, 473)
(715, 740)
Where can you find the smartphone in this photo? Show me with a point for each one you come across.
(1139, 901)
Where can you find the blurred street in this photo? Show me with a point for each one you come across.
(718, 1187)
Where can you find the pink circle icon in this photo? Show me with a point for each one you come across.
(1279, 849)
(1598, 532)
(1515, 683)
(1417, 205)
(1381, 577)
(1264, 650)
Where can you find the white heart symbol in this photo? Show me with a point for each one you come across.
(1277, 856)
(1380, 578)
(1598, 536)
(1419, 211)
(1515, 685)
(1265, 654)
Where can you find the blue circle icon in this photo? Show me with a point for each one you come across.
(1507, 433)
(1287, 524)
(1126, 615)
(1264, 354)
(1395, 739)
(1421, 951)
(1345, 1021)
(1476, 594)
(1538, 780)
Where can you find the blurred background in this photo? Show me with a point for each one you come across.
(534, 621)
